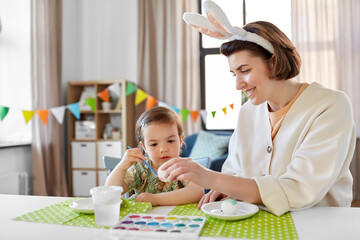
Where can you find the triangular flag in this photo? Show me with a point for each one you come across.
(58, 113)
(150, 102)
(28, 115)
(130, 88)
(140, 96)
(162, 104)
(175, 109)
(3, 112)
(115, 88)
(91, 102)
(104, 95)
(194, 115)
(232, 106)
(203, 114)
(184, 114)
(224, 110)
(213, 114)
(43, 114)
(75, 109)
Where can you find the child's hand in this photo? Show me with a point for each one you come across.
(130, 157)
(146, 197)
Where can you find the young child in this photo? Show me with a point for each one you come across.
(160, 135)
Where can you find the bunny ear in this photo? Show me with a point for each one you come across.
(218, 18)
(203, 25)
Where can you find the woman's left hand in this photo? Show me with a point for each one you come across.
(187, 169)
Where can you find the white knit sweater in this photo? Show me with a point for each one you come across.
(308, 161)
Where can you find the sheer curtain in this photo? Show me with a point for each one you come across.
(328, 39)
(47, 144)
(169, 55)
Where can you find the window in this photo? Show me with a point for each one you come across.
(217, 83)
(15, 88)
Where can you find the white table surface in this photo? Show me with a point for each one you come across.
(315, 223)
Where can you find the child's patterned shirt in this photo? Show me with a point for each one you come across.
(141, 179)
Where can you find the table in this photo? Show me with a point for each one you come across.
(314, 223)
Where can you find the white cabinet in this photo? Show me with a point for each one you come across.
(108, 148)
(83, 154)
(102, 175)
(83, 181)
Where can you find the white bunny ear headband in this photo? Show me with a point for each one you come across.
(217, 25)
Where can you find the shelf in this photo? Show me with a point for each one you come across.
(86, 167)
(108, 111)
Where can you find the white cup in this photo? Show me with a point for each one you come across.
(107, 201)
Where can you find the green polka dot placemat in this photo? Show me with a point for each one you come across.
(262, 225)
(61, 213)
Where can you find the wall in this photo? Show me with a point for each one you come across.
(99, 40)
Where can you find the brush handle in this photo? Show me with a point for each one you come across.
(147, 164)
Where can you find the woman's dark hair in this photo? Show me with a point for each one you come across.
(287, 59)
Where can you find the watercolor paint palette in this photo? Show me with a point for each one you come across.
(160, 226)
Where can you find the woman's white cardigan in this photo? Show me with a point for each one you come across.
(308, 161)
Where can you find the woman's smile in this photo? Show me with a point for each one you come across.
(249, 92)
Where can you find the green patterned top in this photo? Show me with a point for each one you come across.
(141, 179)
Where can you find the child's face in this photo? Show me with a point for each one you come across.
(161, 142)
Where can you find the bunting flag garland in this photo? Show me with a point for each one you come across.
(58, 113)
(104, 95)
(28, 115)
(75, 109)
(115, 88)
(175, 109)
(213, 113)
(91, 103)
(150, 102)
(3, 112)
(162, 104)
(184, 114)
(130, 88)
(140, 96)
(194, 115)
(203, 114)
(43, 114)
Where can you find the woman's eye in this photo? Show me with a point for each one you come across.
(245, 71)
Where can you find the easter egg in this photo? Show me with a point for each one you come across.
(161, 175)
(229, 206)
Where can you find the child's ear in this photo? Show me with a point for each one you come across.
(182, 139)
(142, 146)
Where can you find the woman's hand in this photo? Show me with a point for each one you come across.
(130, 157)
(187, 169)
(211, 196)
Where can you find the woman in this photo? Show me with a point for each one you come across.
(293, 142)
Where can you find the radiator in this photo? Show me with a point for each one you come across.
(14, 183)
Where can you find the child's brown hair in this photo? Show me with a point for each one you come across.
(157, 115)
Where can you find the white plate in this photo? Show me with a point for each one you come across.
(245, 210)
(84, 205)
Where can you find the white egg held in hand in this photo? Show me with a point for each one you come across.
(161, 175)
(229, 206)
